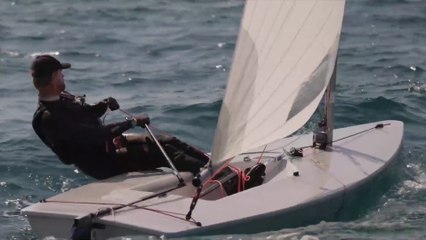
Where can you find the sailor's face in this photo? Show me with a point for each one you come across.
(58, 79)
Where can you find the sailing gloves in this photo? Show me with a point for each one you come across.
(140, 120)
(112, 103)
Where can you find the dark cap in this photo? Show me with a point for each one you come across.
(44, 65)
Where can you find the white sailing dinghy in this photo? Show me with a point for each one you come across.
(257, 180)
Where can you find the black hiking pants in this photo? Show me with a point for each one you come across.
(139, 152)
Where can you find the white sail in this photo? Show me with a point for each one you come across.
(284, 59)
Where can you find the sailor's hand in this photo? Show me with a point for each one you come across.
(112, 103)
(142, 119)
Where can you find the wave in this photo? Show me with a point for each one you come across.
(155, 51)
(399, 68)
(194, 108)
(381, 2)
(372, 110)
(381, 104)
(400, 20)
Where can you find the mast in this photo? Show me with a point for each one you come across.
(329, 106)
(323, 137)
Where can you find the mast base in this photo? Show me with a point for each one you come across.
(320, 140)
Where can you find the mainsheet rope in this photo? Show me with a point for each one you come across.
(378, 126)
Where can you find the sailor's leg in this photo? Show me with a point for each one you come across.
(186, 148)
(164, 139)
(137, 155)
(182, 161)
(184, 156)
(137, 138)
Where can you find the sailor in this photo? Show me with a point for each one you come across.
(72, 129)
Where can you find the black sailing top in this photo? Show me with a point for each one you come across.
(73, 130)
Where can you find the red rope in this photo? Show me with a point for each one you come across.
(219, 170)
(240, 185)
(242, 177)
(220, 184)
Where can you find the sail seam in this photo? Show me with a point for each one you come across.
(285, 100)
(241, 77)
(240, 46)
(285, 52)
(296, 62)
(236, 133)
(250, 19)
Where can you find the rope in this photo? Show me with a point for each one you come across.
(227, 164)
(378, 126)
(238, 172)
(87, 203)
(219, 170)
(132, 205)
(261, 155)
(242, 177)
(170, 214)
(219, 183)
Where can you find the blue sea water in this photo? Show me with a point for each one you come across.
(171, 59)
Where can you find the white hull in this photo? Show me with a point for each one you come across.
(327, 182)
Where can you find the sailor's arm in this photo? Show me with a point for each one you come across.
(118, 128)
(83, 133)
(101, 107)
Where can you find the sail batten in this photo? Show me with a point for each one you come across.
(283, 61)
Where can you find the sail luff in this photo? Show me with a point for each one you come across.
(278, 77)
(329, 106)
